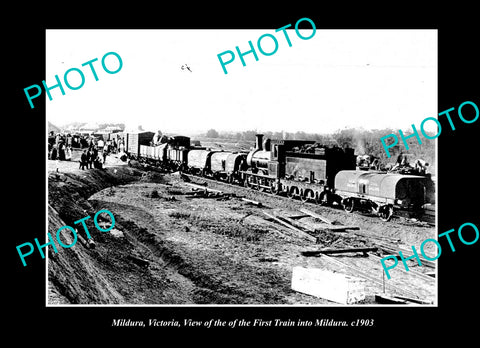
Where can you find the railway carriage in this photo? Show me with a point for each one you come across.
(169, 155)
(234, 164)
(177, 152)
(382, 192)
(160, 153)
(218, 162)
(225, 165)
(133, 141)
(199, 161)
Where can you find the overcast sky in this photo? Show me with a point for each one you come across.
(339, 78)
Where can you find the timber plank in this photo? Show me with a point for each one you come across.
(336, 251)
(315, 215)
(285, 223)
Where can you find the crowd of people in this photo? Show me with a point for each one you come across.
(94, 149)
(92, 157)
(61, 152)
(403, 165)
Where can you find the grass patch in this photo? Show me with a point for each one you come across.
(231, 227)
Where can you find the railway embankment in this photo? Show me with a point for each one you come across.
(130, 264)
(72, 274)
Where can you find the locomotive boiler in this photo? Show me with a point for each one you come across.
(297, 168)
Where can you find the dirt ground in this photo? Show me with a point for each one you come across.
(169, 248)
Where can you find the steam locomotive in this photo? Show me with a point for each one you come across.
(296, 168)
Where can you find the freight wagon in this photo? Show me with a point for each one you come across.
(133, 141)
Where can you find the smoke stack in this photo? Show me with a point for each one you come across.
(258, 144)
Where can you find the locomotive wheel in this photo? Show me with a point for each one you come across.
(293, 192)
(307, 195)
(304, 198)
(320, 198)
(349, 205)
(385, 212)
(252, 184)
(263, 189)
(274, 189)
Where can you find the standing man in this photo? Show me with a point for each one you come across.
(421, 166)
(54, 154)
(90, 158)
(61, 151)
(83, 160)
(105, 153)
(68, 153)
(100, 143)
(156, 138)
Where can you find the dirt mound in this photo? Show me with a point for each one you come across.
(151, 176)
(68, 192)
(104, 274)
(71, 274)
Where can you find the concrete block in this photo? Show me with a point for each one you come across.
(336, 287)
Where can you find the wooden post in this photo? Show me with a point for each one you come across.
(383, 279)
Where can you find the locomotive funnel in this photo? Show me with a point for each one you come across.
(258, 144)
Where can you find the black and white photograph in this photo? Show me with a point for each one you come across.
(262, 183)
(288, 171)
